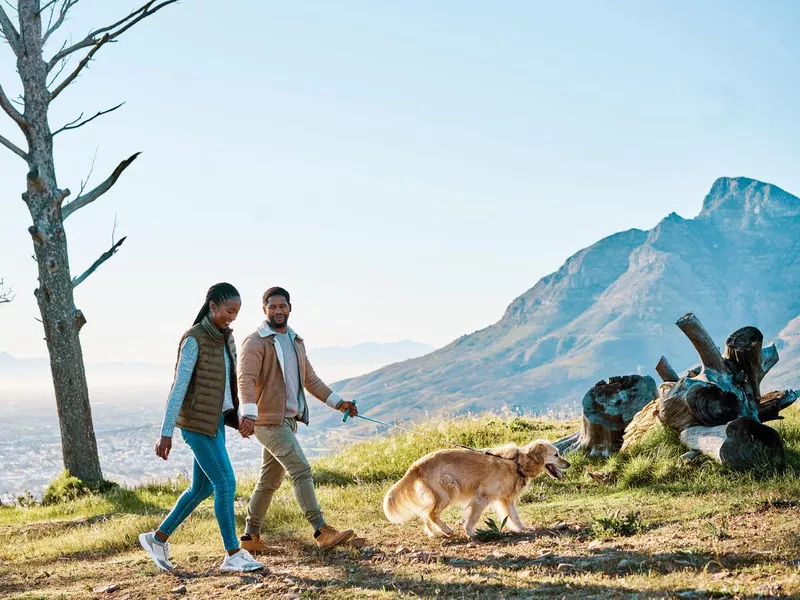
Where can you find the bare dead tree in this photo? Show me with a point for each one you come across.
(42, 83)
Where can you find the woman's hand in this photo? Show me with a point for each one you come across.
(163, 446)
(246, 426)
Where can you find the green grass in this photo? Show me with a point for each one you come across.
(659, 507)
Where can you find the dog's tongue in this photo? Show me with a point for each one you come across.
(553, 470)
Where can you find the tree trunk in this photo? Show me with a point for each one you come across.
(607, 409)
(739, 444)
(61, 320)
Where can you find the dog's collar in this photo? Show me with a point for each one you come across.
(514, 460)
(519, 470)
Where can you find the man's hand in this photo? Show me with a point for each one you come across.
(349, 406)
(163, 446)
(246, 426)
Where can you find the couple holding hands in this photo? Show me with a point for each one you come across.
(262, 396)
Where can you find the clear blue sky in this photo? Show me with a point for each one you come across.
(404, 168)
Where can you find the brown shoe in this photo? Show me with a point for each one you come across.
(252, 543)
(328, 537)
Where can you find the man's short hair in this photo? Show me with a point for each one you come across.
(275, 291)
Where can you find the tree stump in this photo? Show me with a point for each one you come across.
(739, 444)
(717, 406)
(727, 385)
(607, 409)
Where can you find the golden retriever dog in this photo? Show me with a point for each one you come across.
(471, 479)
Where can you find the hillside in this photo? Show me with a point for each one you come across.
(657, 528)
(611, 308)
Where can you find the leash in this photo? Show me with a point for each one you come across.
(431, 438)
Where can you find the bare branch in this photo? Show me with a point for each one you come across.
(6, 295)
(14, 148)
(112, 31)
(85, 182)
(74, 124)
(103, 258)
(60, 21)
(12, 112)
(46, 6)
(101, 189)
(81, 66)
(114, 230)
(63, 66)
(11, 34)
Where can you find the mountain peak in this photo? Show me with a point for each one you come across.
(744, 199)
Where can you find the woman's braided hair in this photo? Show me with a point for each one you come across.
(217, 293)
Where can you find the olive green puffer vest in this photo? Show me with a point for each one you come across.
(202, 406)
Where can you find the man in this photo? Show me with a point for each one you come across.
(273, 371)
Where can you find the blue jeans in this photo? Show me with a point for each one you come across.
(212, 473)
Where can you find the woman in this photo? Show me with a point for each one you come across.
(202, 401)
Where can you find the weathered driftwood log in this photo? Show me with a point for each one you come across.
(769, 409)
(665, 370)
(741, 443)
(607, 409)
(727, 385)
(719, 402)
(774, 402)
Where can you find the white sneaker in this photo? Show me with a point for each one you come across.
(158, 551)
(242, 561)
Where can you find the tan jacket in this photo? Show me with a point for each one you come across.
(261, 379)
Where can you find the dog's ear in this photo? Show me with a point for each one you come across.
(537, 450)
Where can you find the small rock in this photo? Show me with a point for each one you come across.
(105, 589)
(249, 579)
(181, 589)
(369, 550)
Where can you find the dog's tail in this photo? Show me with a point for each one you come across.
(402, 501)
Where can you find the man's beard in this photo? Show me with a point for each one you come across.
(280, 325)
